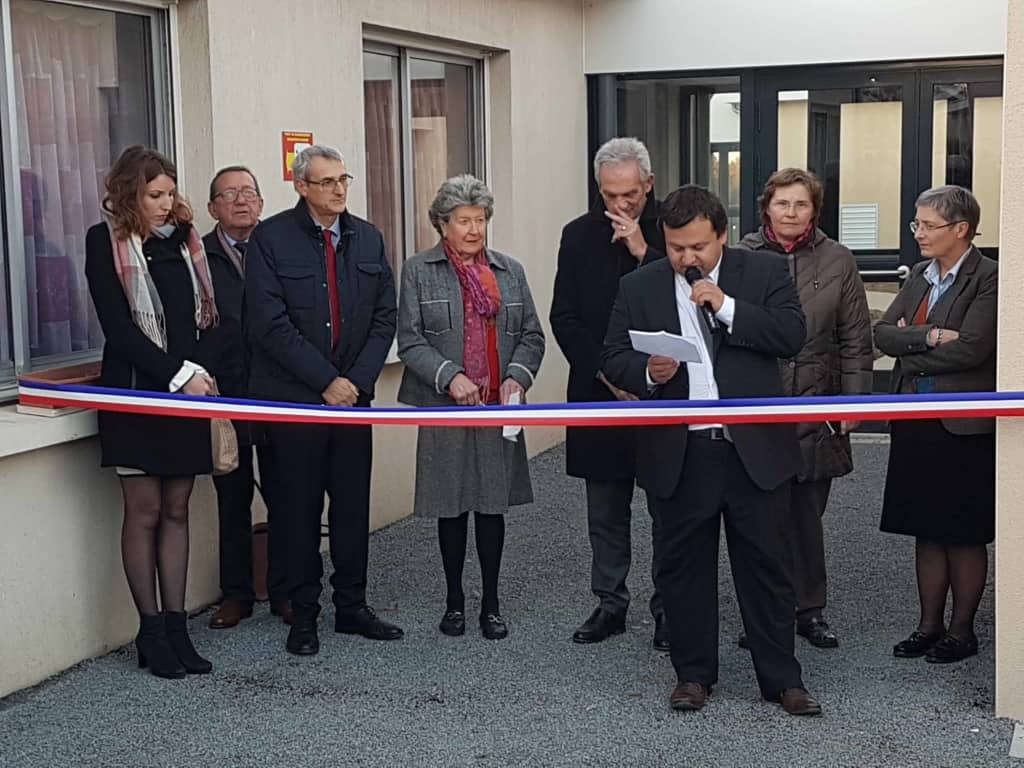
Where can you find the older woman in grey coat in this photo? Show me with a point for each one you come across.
(468, 334)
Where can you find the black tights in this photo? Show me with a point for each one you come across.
(452, 533)
(154, 539)
(941, 567)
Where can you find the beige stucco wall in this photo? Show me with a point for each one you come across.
(1009, 566)
(870, 138)
(792, 152)
(61, 586)
(63, 592)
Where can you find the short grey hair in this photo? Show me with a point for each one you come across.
(953, 203)
(300, 166)
(623, 149)
(457, 191)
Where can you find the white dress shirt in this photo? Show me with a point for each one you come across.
(701, 375)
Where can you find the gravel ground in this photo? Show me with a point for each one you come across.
(535, 698)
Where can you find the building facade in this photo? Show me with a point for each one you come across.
(412, 91)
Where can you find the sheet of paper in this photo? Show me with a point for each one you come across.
(681, 348)
(509, 432)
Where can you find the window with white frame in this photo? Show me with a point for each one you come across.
(82, 82)
(423, 124)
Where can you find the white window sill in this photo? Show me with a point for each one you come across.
(21, 433)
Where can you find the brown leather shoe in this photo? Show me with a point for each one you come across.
(797, 701)
(231, 612)
(688, 697)
(282, 608)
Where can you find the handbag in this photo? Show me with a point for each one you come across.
(826, 454)
(223, 442)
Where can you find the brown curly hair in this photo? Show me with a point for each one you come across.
(784, 177)
(126, 184)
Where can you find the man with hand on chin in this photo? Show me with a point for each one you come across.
(617, 235)
(696, 474)
(321, 315)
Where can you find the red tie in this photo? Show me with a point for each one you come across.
(332, 287)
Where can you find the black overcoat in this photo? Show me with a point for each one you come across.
(587, 280)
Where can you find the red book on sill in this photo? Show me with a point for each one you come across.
(83, 373)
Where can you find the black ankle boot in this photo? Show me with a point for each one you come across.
(154, 649)
(181, 643)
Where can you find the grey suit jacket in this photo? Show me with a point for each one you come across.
(965, 365)
(430, 326)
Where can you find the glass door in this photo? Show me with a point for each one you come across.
(877, 138)
(963, 132)
(691, 125)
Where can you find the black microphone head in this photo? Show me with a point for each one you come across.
(692, 275)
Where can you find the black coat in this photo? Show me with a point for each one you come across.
(158, 445)
(287, 308)
(587, 280)
(229, 369)
(768, 324)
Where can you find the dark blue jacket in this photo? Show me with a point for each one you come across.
(229, 367)
(287, 308)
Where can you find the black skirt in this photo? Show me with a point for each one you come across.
(165, 446)
(939, 486)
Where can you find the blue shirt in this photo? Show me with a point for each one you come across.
(940, 286)
(335, 228)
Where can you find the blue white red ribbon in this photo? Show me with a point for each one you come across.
(637, 413)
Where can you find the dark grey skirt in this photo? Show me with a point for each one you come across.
(470, 469)
(940, 487)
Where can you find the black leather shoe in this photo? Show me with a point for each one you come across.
(951, 648)
(600, 626)
(817, 632)
(453, 623)
(302, 639)
(366, 623)
(661, 637)
(492, 627)
(916, 645)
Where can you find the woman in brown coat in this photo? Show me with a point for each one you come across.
(835, 360)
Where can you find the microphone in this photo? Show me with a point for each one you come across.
(692, 275)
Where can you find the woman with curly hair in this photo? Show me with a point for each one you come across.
(150, 283)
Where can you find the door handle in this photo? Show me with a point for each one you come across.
(902, 272)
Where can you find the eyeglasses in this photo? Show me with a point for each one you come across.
(927, 226)
(246, 193)
(329, 184)
(798, 205)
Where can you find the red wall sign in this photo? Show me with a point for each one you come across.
(293, 142)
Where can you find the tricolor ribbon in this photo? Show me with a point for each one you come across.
(637, 413)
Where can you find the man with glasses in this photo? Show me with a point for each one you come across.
(235, 204)
(320, 318)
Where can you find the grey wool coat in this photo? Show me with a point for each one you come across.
(464, 469)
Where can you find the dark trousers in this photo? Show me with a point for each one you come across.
(715, 484)
(805, 555)
(308, 461)
(609, 522)
(234, 508)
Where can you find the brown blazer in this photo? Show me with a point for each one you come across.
(965, 365)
